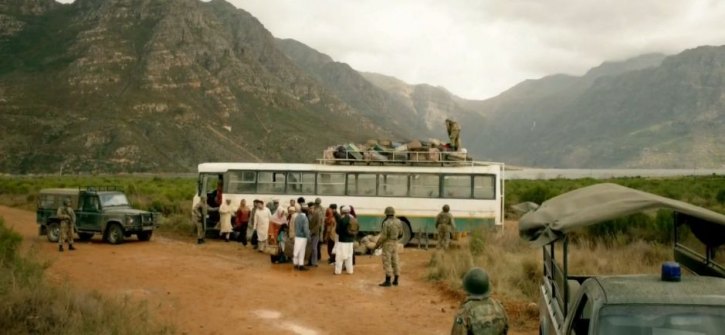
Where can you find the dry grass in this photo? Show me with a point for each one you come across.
(515, 268)
(29, 305)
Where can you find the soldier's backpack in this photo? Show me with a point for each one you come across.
(353, 227)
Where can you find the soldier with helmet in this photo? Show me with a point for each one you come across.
(67, 218)
(445, 225)
(479, 314)
(198, 214)
(392, 228)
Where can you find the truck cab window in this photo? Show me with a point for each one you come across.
(582, 318)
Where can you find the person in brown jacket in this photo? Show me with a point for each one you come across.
(329, 236)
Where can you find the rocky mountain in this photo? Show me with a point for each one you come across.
(156, 85)
(651, 111)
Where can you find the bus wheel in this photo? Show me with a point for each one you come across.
(407, 233)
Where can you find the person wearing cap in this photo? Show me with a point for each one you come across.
(302, 232)
(198, 214)
(445, 225)
(67, 218)
(344, 249)
(388, 240)
(479, 313)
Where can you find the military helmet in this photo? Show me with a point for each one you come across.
(66, 202)
(446, 208)
(475, 282)
(389, 211)
(318, 201)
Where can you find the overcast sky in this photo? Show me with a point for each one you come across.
(479, 48)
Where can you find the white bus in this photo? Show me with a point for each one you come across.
(473, 190)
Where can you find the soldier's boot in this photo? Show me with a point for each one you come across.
(70, 247)
(60, 248)
(200, 241)
(386, 283)
(395, 281)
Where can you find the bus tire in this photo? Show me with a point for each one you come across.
(407, 232)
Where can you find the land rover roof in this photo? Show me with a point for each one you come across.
(650, 289)
(61, 191)
(598, 203)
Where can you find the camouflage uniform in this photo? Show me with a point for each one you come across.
(444, 224)
(198, 213)
(67, 223)
(454, 133)
(480, 316)
(392, 228)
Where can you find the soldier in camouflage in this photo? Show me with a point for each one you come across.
(479, 314)
(67, 218)
(445, 224)
(392, 228)
(198, 214)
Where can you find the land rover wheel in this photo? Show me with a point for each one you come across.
(114, 233)
(53, 230)
(144, 235)
(85, 236)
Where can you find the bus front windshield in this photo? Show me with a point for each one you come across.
(661, 320)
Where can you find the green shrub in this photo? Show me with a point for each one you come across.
(29, 305)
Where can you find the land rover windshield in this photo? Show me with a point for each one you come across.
(661, 320)
(113, 200)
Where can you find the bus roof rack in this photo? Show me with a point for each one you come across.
(403, 158)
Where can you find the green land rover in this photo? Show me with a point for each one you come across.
(102, 211)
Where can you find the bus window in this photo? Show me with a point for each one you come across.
(270, 182)
(331, 183)
(484, 187)
(393, 185)
(424, 185)
(242, 181)
(301, 182)
(457, 186)
(361, 184)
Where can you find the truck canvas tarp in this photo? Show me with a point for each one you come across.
(602, 202)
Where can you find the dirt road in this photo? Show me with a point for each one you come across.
(224, 288)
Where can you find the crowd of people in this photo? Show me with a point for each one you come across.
(294, 233)
(297, 232)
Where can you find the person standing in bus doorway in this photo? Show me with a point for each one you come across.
(261, 225)
(302, 232)
(479, 314)
(445, 225)
(317, 221)
(67, 218)
(198, 214)
(225, 218)
(388, 239)
(330, 234)
(346, 231)
(242, 221)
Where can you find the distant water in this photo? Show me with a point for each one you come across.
(607, 173)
